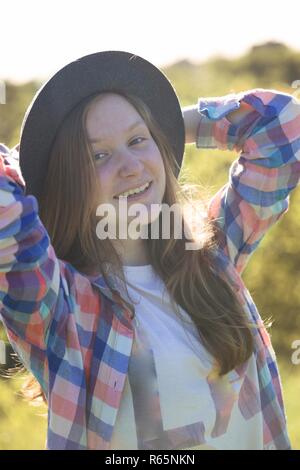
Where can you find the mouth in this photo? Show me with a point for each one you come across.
(144, 192)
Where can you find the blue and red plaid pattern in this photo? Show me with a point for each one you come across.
(70, 330)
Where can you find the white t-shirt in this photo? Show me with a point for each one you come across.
(172, 399)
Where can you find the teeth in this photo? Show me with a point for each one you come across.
(134, 191)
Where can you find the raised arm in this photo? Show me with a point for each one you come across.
(264, 126)
(29, 270)
(31, 284)
(192, 118)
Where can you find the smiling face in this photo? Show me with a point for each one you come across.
(127, 157)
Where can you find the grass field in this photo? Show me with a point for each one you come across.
(290, 376)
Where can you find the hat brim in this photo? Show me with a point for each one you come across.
(91, 74)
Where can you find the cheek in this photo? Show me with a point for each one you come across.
(104, 183)
(156, 161)
(160, 170)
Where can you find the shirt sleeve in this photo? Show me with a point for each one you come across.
(30, 278)
(267, 170)
(46, 305)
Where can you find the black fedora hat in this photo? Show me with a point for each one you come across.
(89, 75)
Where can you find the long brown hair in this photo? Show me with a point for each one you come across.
(68, 208)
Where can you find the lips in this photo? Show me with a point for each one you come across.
(133, 197)
(136, 194)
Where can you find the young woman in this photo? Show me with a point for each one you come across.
(139, 342)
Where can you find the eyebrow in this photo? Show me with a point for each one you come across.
(133, 126)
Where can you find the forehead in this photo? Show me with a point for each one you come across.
(108, 114)
(110, 103)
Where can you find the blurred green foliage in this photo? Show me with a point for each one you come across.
(22, 426)
(272, 275)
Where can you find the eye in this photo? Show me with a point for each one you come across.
(138, 138)
(136, 141)
(96, 155)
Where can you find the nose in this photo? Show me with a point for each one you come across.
(130, 163)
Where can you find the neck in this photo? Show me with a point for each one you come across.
(132, 252)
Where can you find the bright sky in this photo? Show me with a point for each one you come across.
(38, 37)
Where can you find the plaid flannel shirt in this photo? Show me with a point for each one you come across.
(71, 331)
